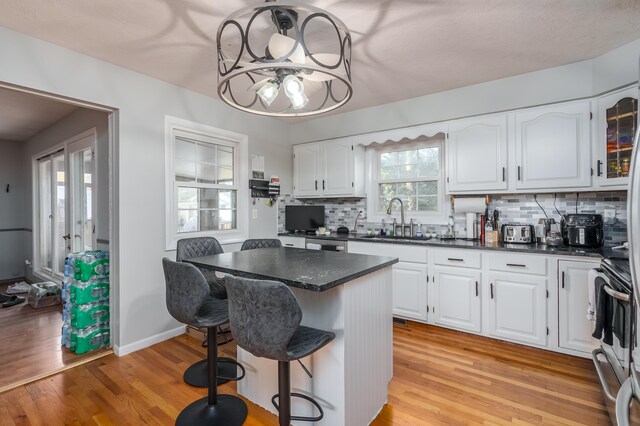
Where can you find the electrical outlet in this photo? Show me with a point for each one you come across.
(254, 213)
(609, 214)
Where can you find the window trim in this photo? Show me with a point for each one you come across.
(241, 163)
(372, 156)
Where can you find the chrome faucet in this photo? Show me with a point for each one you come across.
(402, 225)
(355, 224)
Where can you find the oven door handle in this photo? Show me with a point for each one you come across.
(616, 294)
(622, 402)
(603, 381)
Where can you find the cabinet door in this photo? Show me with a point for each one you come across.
(553, 147)
(478, 154)
(617, 124)
(306, 162)
(337, 176)
(457, 298)
(573, 298)
(518, 307)
(410, 290)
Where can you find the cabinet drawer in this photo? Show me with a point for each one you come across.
(460, 258)
(522, 263)
(298, 242)
(404, 253)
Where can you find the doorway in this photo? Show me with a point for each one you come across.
(65, 204)
(55, 170)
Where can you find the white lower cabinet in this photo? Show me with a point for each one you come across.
(574, 329)
(457, 298)
(410, 290)
(297, 242)
(518, 307)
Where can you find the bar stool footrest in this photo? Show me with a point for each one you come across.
(196, 374)
(305, 397)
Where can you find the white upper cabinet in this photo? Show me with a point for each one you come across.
(333, 168)
(552, 146)
(306, 166)
(617, 121)
(477, 154)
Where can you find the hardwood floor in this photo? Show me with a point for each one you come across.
(30, 344)
(441, 377)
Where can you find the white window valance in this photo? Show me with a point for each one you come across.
(396, 135)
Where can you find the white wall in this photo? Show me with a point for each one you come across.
(13, 229)
(579, 80)
(142, 103)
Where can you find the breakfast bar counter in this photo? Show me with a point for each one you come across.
(348, 294)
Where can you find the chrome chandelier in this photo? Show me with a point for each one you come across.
(284, 59)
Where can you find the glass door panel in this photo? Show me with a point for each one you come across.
(45, 214)
(52, 247)
(622, 119)
(59, 216)
(82, 224)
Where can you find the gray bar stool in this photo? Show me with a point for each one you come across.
(265, 321)
(187, 248)
(260, 243)
(189, 301)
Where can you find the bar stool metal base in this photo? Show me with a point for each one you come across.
(229, 410)
(196, 374)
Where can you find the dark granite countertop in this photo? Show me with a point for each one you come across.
(602, 252)
(308, 269)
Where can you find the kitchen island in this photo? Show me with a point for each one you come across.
(348, 294)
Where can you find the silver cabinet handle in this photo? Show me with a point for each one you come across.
(477, 292)
(516, 265)
(454, 259)
(616, 294)
(603, 381)
(491, 288)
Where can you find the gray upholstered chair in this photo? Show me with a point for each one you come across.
(260, 243)
(188, 248)
(190, 301)
(265, 321)
(203, 246)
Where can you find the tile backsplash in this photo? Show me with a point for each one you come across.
(513, 208)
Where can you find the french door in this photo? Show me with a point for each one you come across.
(65, 204)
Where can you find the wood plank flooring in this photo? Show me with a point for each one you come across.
(30, 344)
(441, 377)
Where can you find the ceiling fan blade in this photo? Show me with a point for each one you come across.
(311, 87)
(316, 76)
(257, 85)
(239, 64)
(280, 45)
(323, 58)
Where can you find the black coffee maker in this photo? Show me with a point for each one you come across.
(583, 230)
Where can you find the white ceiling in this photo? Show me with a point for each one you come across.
(401, 48)
(23, 115)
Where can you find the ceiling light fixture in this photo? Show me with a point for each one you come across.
(302, 49)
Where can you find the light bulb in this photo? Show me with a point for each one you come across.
(268, 92)
(298, 101)
(294, 89)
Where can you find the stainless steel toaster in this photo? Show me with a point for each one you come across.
(518, 233)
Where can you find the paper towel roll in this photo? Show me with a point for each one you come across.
(470, 205)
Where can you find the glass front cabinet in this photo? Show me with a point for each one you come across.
(617, 124)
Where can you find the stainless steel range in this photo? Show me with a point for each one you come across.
(614, 328)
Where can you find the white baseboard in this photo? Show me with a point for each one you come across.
(141, 344)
